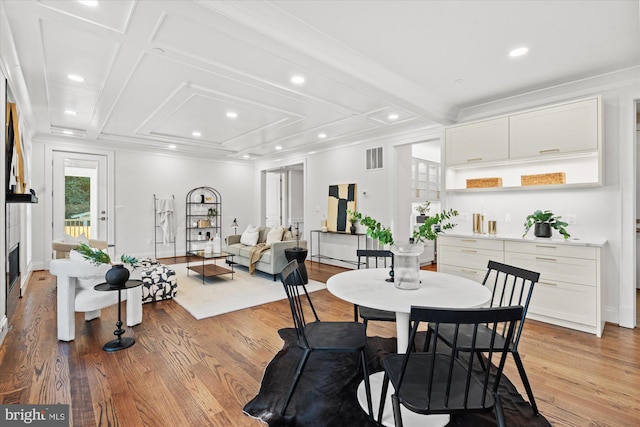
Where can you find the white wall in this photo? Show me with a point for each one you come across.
(138, 176)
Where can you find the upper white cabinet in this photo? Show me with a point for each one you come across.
(567, 128)
(546, 147)
(478, 142)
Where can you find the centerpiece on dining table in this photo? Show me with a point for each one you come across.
(406, 256)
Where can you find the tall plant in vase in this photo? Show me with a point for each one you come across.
(406, 263)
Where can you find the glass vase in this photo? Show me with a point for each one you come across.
(406, 265)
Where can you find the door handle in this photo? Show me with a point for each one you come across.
(103, 218)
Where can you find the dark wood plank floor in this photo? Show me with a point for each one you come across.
(185, 372)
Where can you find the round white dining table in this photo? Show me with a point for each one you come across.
(368, 287)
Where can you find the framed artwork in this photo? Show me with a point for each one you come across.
(341, 198)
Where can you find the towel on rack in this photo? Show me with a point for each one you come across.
(166, 219)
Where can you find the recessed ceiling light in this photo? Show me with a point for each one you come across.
(393, 116)
(322, 135)
(232, 114)
(518, 51)
(92, 3)
(75, 78)
(67, 132)
(245, 156)
(278, 147)
(297, 80)
(71, 112)
(172, 147)
(196, 133)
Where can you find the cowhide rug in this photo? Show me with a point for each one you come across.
(326, 393)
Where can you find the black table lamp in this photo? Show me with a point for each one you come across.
(234, 225)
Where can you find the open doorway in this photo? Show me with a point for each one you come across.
(284, 196)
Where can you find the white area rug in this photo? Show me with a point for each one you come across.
(220, 294)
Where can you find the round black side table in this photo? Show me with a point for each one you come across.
(119, 343)
(299, 254)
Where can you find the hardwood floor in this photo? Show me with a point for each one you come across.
(185, 372)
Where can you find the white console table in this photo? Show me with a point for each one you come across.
(361, 239)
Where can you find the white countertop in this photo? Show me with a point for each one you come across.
(529, 238)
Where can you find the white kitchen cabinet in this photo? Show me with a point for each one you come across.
(568, 128)
(478, 142)
(563, 138)
(569, 292)
(468, 257)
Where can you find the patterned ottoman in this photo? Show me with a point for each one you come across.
(159, 282)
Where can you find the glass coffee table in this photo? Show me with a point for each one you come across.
(206, 269)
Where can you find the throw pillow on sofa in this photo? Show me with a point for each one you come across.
(250, 236)
(275, 235)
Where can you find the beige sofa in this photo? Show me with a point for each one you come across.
(272, 260)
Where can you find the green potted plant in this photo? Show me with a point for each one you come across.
(118, 274)
(422, 209)
(353, 219)
(427, 231)
(543, 222)
(405, 269)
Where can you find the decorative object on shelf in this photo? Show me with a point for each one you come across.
(234, 225)
(202, 198)
(493, 227)
(212, 213)
(204, 223)
(342, 197)
(118, 274)
(543, 179)
(406, 262)
(217, 247)
(208, 247)
(484, 182)
(323, 225)
(423, 209)
(543, 222)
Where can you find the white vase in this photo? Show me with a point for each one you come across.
(406, 265)
(217, 247)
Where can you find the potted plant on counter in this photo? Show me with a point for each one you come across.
(543, 222)
(352, 220)
(422, 209)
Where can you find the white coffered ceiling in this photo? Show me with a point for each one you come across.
(157, 71)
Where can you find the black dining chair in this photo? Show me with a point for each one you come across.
(510, 286)
(436, 380)
(373, 258)
(317, 336)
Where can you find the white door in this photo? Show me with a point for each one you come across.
(273, 199)
(80, 195)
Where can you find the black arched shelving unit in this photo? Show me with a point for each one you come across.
(204, 217)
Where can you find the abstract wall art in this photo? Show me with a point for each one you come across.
(342, 197)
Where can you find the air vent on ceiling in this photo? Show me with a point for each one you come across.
(374, 158)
